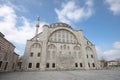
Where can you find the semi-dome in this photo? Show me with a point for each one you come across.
(60, 24)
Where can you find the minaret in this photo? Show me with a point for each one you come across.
(37, 26)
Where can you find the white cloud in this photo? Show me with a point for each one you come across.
(99, 52)
(110, 54)
(117, 45)
(71, 12)
(19, 8)
(9, 26)
(114, 6)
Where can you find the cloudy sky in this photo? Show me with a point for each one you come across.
(99, 20)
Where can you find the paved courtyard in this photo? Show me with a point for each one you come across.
(63, 75)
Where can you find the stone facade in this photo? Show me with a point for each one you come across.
(15, 62)
(59, 47)
(6, 54)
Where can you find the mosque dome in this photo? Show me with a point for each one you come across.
(60, 24)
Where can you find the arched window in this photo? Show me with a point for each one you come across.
(31, 54)
(51, 46)
(30, 65)
(62, 36)
(38, 54)
(89, 52)
(64, 46)
(53, 65)
(51, 52)
(37, 65)
(76, 48)
(36, 45)
(76, 65)
(0, 64)
(47, 65)
(91, 56)
(93, 64)
(81, 65)
(88, 49)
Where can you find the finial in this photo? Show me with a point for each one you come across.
(37, 25)
(38, 19)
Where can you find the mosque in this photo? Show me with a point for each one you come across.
(59, 47)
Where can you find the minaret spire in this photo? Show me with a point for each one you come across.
(37, 26)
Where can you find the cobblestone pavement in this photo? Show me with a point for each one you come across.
(63, 75)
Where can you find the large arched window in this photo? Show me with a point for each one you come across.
(35, 49)
(89, 52)
(51, 51)
(62, 36)
(77, 51)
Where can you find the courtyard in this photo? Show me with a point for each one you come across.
(63, 75)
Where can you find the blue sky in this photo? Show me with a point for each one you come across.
(99, 20)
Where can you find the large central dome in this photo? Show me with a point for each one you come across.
(60, 24)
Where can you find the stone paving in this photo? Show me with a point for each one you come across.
(63, 75)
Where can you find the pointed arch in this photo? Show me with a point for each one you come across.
(76, 48)
(62, 36)
(89, 49)
(35, 45)
(35, 49)
(51, 46)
